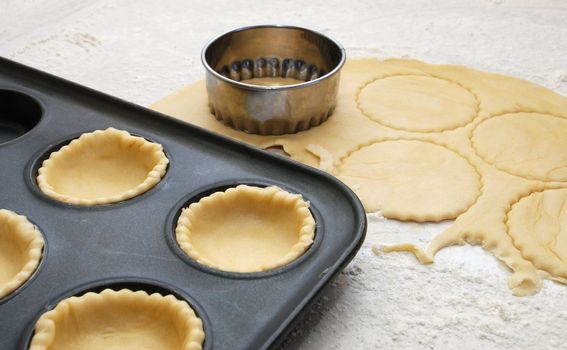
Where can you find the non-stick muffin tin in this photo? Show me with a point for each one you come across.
(131, 244)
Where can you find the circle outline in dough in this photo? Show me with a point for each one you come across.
(529, 251)
(35, 252)
(422, 218)
(155, 175)
(424, 130)
(307, 242)
(43, 331)
(509, 114)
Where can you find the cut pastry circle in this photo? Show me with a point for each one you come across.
(102, 167)
(122, 319)
(246, 229)
(538, 225)
(411, 180)
(417, 103)
(530, 145)
(21, 247)
(511, 143)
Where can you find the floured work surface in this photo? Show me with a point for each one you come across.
(424, 142)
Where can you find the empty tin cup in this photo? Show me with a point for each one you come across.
(272, 79)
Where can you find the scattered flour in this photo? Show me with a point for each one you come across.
(141, 51)
(391, 301)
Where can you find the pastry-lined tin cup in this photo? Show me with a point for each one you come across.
(246, 229)
(272, 51)
(264, 306)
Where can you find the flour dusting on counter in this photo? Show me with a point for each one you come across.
(141, 51)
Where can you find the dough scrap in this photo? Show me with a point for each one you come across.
(326, 159)
(478, 125)
(119, 320)
(411, 180)
(246, 229)
(417, 103)
(21, 248)
(102, 167)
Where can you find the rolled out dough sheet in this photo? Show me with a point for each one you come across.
(424, 142)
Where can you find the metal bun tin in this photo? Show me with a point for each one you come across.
(269, 51)
(132, 244)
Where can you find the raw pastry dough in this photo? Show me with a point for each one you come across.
(531, 145)
(119, 320)
(102, 167)
(509, 131)
(272, 81)
(538, 226)
(411, 180)
(246, 229)
(21, 247)
(405, 102)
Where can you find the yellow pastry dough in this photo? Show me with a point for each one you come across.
(272, 81)
(102, 167)
(538, 226)
(405, 178)
(532, 145)
(246, 229)
(119, 320)
(405, 102)
(507, 130)
(21, 247)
